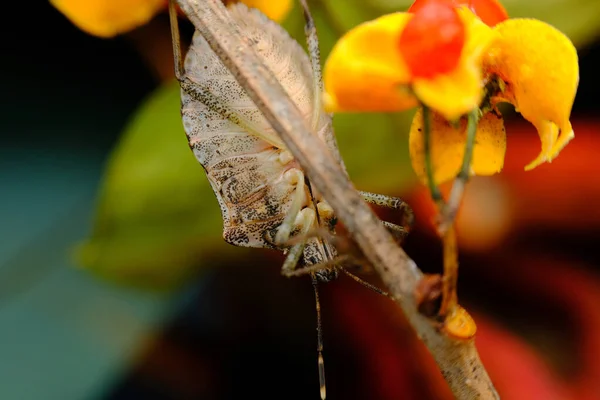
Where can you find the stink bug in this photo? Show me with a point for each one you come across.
(265, 198)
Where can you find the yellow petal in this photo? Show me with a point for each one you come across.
(451, 95)
(365, 71)
(448, 146)
(548, 132)
(540, 68)
(460, 91)
(107, 18)
(277, 10)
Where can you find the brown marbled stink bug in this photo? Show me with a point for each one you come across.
(265, 198)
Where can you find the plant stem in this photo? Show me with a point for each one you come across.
(436, 195)
(450, 209)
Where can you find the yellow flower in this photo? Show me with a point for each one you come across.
(108, 18)
(277, 10)
(522, 61)
(448, 146)
(368, 70)
(365, 72)
(539, 67)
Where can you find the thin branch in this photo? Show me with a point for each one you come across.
(458, 360)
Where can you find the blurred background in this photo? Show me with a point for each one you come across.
(115, 283)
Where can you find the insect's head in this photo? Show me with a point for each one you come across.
(327, 275)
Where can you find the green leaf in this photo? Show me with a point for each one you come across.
(157, 218)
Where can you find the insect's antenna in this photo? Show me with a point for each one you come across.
(319, 338)
(312, 41)
(176, 40)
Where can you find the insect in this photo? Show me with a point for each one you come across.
(265, 198)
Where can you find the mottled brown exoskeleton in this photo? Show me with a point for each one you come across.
(265, 198)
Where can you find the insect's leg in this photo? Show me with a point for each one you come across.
(176, 40)
(294, 177)
(307, 217)
(291, 260)
(450, 209)
(394, 203)
(311, 269)
(338, 262)
(320, 360)
(367, 284)
(398, 232)
(312, 41)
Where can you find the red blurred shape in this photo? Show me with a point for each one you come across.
(489, 11)
(432, 41)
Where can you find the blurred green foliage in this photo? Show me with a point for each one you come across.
(156, 216)
(157, 220)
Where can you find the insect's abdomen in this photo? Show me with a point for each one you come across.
(230, 137)
(244, 172)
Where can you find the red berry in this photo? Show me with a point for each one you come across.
(432, 41)
(490, 12)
